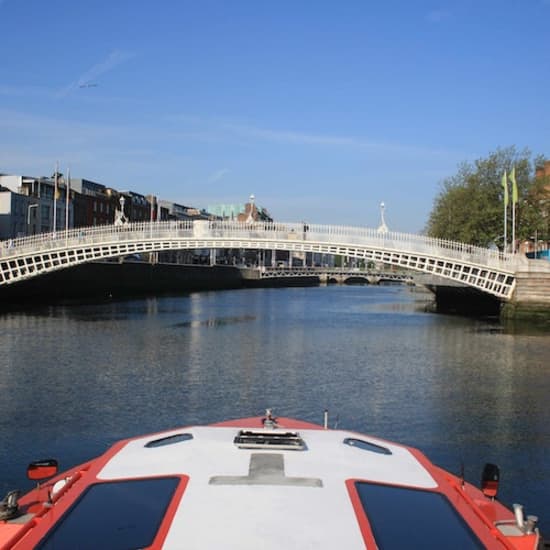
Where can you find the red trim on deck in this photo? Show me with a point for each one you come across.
(170, 513)
(460, 495)
(46, 516)
(8, 533)
(38, 527)
(468, 508)
(478, 511)
(364, 525)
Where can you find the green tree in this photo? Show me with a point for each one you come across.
(534, 211)
(470, 205)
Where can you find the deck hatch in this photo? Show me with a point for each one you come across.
(117, 515)
(366, 446)
(269, 439)
(406, 517)
(170, 440)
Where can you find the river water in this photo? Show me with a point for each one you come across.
(73, 379)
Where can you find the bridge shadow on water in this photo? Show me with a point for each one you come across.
(108, 281)
(104, 282)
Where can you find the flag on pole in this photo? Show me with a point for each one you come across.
(56, 175)
(505, 187)
(514, 186)
(67, 198)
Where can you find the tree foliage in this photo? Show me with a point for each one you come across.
(470, 205)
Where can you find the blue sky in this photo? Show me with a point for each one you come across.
(321, 109)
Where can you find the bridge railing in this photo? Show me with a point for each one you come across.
(99, 234)
(399, 242)
(344, 236)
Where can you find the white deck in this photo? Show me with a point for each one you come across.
(266, 516)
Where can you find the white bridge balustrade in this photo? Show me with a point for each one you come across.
(336, 273)
(488, 270)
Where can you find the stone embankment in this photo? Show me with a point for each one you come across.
(531, 300)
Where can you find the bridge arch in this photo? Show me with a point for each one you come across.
(487, 270)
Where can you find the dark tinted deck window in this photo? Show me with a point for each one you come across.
(412, 518)
(366, 446)
(114, 516)
(170, 440)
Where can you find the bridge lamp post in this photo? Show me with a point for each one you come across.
(382, 228)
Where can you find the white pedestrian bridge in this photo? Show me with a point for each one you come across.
(488, 270)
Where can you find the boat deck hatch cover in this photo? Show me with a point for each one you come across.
(288, 441)
(170, 440)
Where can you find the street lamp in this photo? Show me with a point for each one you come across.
(383, 228)
(120, 217)
(250, 218)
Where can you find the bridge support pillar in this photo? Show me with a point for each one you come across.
(531, 299)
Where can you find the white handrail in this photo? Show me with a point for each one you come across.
(272, 231)
(486, 269)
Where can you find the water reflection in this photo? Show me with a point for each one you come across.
(74, 379)
(216, 322)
